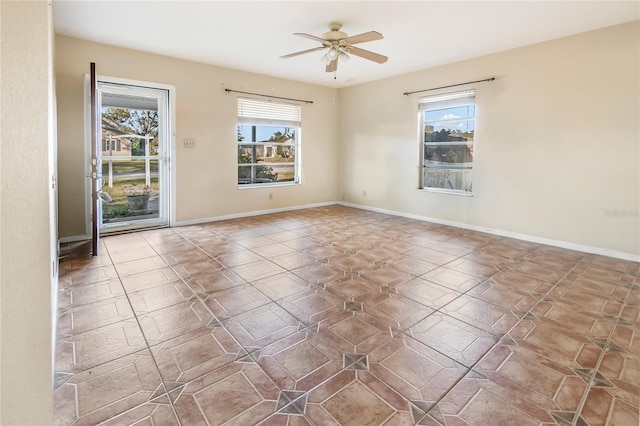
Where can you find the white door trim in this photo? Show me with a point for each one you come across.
(171, 134)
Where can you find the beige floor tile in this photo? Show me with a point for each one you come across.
(339, 316)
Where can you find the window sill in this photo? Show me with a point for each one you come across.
(266, 185)
(447, 191)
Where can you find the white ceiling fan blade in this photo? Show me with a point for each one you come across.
(333, 66)
(291, 55)
(312, 37)
(375, 57)
(364, 37)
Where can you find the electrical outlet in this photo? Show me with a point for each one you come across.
(364, 193)
(189, 143)
(270, 196)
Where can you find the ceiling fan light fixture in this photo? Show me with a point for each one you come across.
(331, 55)
(339, 47)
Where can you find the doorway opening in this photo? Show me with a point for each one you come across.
(134, 157)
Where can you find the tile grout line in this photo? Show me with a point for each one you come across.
(498, 342)
(415, 276)
(287, 270)
(609, 339)
(215, 317)
(585, 394)
(436, 350)
(135, 315)
(558, 281)
(245, 283)
(434, 311)
(275, 301)
(437, 310)
(171, 267)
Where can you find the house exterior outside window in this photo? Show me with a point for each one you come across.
(268, 142)
(448, 128)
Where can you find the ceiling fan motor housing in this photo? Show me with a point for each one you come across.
(334, 34)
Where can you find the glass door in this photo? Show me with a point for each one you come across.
(133, 157)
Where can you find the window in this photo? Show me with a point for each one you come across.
(447, 123)
(110, 145)
(268, 142)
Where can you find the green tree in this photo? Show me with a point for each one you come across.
(125, 121)
(244, 173)
(279, 137)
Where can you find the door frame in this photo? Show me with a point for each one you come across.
(171, 136)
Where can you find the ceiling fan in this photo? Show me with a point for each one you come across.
(340, 45)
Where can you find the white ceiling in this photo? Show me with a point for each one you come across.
(251, 35)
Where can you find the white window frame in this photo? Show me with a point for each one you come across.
(437, 102)
(260, 112)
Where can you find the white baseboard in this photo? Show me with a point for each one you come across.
(74, 238)
(557, 243)
(251, 213)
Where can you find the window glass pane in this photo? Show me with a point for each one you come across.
(268, 142)
(252, 133)
(449, 124)
(467, 111)
(456, 131)
(122, 178)
(137, 146)
(245, 154)
(250, 153)
(448, 154)
(276, 154)
(449, 127)
(248, 174)
(128, 168)
(451, 179)
(285, 173)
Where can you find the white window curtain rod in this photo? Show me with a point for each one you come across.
(451, 85)
(268, 96)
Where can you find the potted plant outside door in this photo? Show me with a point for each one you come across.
(138, 199)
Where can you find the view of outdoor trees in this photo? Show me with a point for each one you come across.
(127, 176)
(459, 153)
(271, 145)
(125, 121)
(448, 147)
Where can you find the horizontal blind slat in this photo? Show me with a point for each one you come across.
(268, 112)
(447, 100)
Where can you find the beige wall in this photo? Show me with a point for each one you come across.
(557, 141)
(206, 175)
(27, 122)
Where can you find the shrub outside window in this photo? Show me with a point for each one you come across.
(268, 142)
(448, 126)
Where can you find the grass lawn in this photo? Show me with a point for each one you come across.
(128, 166)
(285, 176)
(118, 207)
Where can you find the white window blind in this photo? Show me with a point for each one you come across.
(253, 111)
(447, 100)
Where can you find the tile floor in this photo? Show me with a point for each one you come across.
(336, 315)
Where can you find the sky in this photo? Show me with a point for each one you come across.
(263, 133)
(458, 118)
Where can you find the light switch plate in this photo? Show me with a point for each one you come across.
(189, 143)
